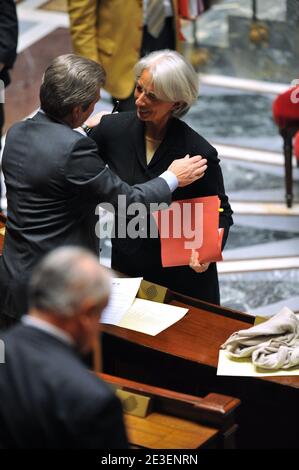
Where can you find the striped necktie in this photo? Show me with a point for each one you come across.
(155, 17)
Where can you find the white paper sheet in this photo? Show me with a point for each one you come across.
(150, 317)
(123, 293)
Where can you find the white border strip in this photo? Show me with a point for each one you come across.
(243, 84)
(260, 264)
(251, 155)
(43, 16)
(34, 34)
(31, 4)
(264, 208)
(44, 22)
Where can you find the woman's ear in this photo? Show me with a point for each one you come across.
(176, 106)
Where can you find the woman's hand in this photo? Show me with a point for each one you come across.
(194, 263)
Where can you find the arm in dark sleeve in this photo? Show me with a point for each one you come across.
(99, 137)
(86, 172)
(8, 32)
(225, 219)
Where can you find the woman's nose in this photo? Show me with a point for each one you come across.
(140, 99)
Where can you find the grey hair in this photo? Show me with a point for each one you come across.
(65, 278)
(173, 77)
(70, 80)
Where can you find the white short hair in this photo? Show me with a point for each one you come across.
(65, 278)
(173, 77)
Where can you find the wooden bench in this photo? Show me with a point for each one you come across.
(175, 420)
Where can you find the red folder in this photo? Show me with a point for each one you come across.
(187, 224)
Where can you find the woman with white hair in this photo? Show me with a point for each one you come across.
(140, 145)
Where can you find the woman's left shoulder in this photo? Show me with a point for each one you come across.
(197, 141)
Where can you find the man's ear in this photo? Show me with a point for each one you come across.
(76, 114)
(90, 309)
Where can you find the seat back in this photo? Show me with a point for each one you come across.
(296, 147)
(175, 420)
(286, 109)
(286, 115)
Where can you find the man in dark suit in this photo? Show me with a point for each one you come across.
(48, 397)
(55, 178)
(8, 50)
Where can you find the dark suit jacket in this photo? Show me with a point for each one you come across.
(8, 37)
(54, 178)
(121, 140)
(50, 400)
(8, 49)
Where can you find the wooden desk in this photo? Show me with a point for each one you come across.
(184, 358)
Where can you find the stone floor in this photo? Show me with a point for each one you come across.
(260, 271)
(228, 27)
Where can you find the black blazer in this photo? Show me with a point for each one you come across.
(49, 400)
(121, 140)
(8, 37)
(55, 179)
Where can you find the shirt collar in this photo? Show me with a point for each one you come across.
(47, 327)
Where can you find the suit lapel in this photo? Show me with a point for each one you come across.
(137, 136)
(169, 147)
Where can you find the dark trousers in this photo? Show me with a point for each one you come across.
(166, 40)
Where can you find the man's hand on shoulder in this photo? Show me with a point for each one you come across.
(188, 169)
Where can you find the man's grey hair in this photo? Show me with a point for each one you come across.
(173, 77)
(69, 81)
(65, 278)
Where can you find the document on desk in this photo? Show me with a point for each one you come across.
(123, 293)
(150, 317)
